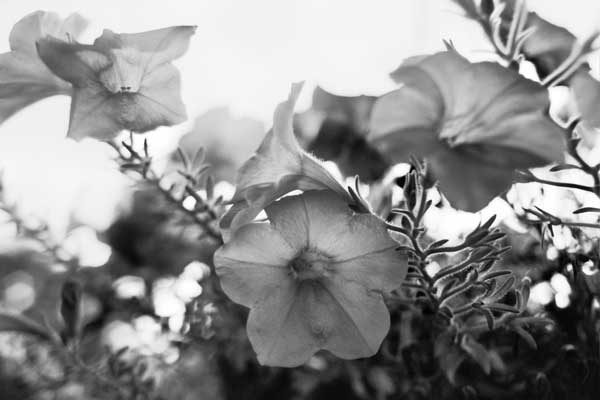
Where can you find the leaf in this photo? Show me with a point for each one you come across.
(449, 355)
(20, 323)
(438, 243)
(526, 336)
(563, 167)
(495, 274)
(489, 318)
(586, 210)
(502, 308)
(70, 308)
(477, 352)
(504, 288)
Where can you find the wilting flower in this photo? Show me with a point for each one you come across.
(313, 277)
(122, 81)
(24, 78)
(474, 122)
(279, 166)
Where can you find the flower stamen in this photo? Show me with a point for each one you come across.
(310, 264)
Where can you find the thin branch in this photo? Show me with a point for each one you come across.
(142, 166)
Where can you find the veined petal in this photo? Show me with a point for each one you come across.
(93, 114)
(97, 113)
(379, 270)
(361, 323)
(279, 166)
(160, 45)
(289, 326)
(278, 330)
(323, 221)
(254, 263)
(158, 102)
(501, 107)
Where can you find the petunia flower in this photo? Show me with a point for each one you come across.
(24, 78)
(474, 122)
(122, 81)
(279, 167)
(313, 277)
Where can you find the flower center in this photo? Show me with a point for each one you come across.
(310, 264)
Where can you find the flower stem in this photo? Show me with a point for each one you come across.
(144, 169)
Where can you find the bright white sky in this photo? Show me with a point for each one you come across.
(245, 54)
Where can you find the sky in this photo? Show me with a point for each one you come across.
(245, 55)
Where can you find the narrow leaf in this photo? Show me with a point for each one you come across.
(23, 324)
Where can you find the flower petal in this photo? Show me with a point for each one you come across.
(586, 93)
(39, 24)
(405, 121)
(93, 114)
(278, 167)
(468, 182)
(289, 326)
(441, 76)
(363, 322)
(383, 270)
(254, 263)
(24, 78)
(158, 102)
(161, 45)
(76, 63)
(508, 110)
(278, 330)
(23, 82)
(323, 221)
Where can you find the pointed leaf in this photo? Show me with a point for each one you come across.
(23, 324)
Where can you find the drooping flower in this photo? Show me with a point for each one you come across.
(24, 78)
(474, 122)
(279, 166)
(122, 81)
(313, 278)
